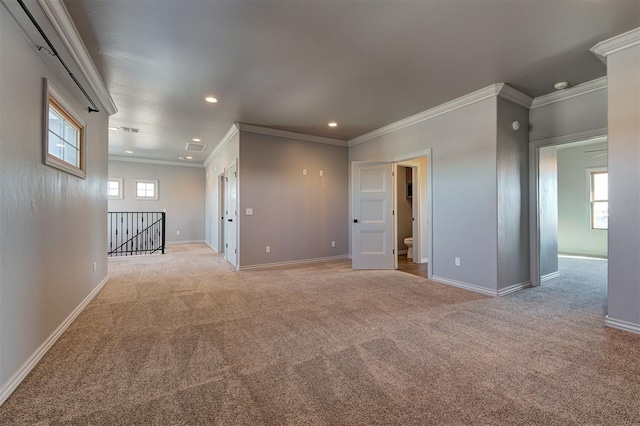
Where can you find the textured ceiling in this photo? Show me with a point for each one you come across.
(296, 65)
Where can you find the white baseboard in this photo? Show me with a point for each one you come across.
(14, 381)
(293, 262)
(211, 247)
(513, 288)
(185, 242)
(424, 260)
(550, 276)
(622, 325)
(466, 286)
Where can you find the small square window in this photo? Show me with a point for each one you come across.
(146, 189)
(115, 188)
(64, 138)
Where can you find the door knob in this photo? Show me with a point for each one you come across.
(355, 220)
(230, 220)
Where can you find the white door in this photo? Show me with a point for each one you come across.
(372, 228)
(231, 216)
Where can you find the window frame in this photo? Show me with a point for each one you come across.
(62, 106)
(156, 189)
(591, 172)
(120, 195)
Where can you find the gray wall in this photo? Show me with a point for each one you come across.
(574, 115)
(297, 216)
(464, 166)
(52, 224)
(181, 191)
(513, 195)
(215, 167)
(575, 235)
(405, 209)
(548, 204)
(623, 69)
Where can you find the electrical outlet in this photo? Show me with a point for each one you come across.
(249, 211)
(333, 243)
(457, 261)
(304, 172)
(95, 266)
(268, 249)
(321, 173)
(177, 232)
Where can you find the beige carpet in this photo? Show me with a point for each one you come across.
(183, 339)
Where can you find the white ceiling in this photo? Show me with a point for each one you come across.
(298, 64)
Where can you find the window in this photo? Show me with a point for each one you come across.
(65, 136)
(599, 184)
(115, 188)
(146, 189)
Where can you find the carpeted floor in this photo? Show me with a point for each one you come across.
(183, 339)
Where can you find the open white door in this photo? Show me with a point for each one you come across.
(231, 216)
(372, 202)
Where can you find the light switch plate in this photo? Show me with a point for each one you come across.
(249, 212)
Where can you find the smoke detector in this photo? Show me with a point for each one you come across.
(561, 85)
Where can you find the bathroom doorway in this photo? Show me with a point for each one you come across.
(411, 218)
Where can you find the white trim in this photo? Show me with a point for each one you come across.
(120, 195)
(14, 381)
(503, 90)
(592, 136)
(513, 288)
(211, 247)
(512, 95)
(251, 128)
(293, 262)
(185, 242)
(621, 325)
(551, 276)
(466, 286)
(152, 161)
(616, 44)
(63, 24)
(156, 189)
(233, 130)
(571, 92)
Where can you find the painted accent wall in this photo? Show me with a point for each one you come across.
(52, 224)
(296, 215)
(575, 235)
(181, 191)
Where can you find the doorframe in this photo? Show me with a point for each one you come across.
(420, 226)
(235, 163)
(598, 135)
(222, 196)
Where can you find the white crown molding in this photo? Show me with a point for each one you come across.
(616, 44)
(251, 128)
(14, 381)
(514, 96)
(503, 90)
(571, 92)
(64, 26)
(152, 161)
(233, 130)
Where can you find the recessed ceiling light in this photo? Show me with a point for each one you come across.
(333, 124)
(189, 158)
(180, 158)
(113, 128)
(129, 152)
(211, 99)
(196, 139)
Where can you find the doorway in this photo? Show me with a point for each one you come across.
(375, 237)
(569, 217)
(222, 195)
(231, 214)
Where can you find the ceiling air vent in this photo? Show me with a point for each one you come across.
(199, 147)
(130, 129)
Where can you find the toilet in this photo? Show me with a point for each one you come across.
(409, 243)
